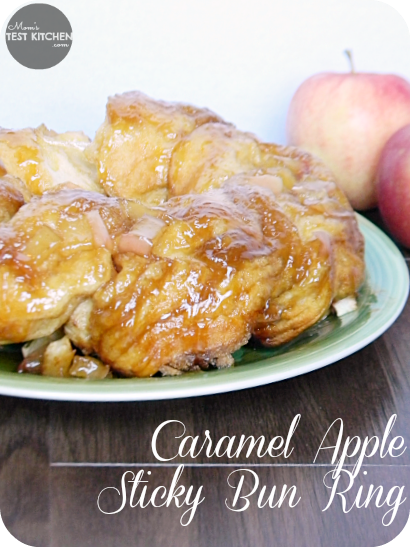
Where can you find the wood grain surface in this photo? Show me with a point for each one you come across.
(56, 457)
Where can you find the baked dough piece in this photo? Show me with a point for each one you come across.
(133, 146)
(193, 299)
(306, 288)
(303, 186)
(331, 264)
(43, 159)
(301, 305)
(214, 152)
(54, 253)
(11, 199)
(210, 155)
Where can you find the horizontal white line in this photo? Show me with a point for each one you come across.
(243, 464)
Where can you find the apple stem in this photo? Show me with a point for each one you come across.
(350, 57)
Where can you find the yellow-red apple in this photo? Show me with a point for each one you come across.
(393, 185)
(346, 119)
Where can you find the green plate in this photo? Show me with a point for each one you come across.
(380, 302)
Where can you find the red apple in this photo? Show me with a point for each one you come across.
(346, 119)
(393, 185)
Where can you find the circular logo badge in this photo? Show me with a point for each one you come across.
(39, 36)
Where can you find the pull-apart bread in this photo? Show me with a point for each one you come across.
(133, 147)
(165, 244)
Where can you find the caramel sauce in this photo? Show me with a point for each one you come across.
(28, 163)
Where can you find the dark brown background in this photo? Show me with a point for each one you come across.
(47, 502)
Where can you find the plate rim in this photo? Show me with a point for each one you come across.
(128, 390)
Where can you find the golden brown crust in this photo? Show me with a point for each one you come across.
(208, 156)
(133, 146)
(305, 190)
(193, 301)
(51, 259)
(11, 199)
(42, 158)
(3, 170)
(306, 300)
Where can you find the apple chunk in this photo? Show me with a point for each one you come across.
(393, 185)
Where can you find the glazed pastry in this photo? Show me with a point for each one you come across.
(54, 253)
(191, 297)
(307, 193)
(207, 237)
(11, 199)
(43, 159)
(132, 149)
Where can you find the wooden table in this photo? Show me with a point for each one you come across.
(57, 457)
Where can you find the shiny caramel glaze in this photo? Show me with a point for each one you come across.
(330, 266)
(305, 292)
(133, 146)
(51, 260)
(209, 155)
(193, 300)
(11, 199)
(320, 209)
(3, 170)
(303, 302)
(214, 152)
(42, 158)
